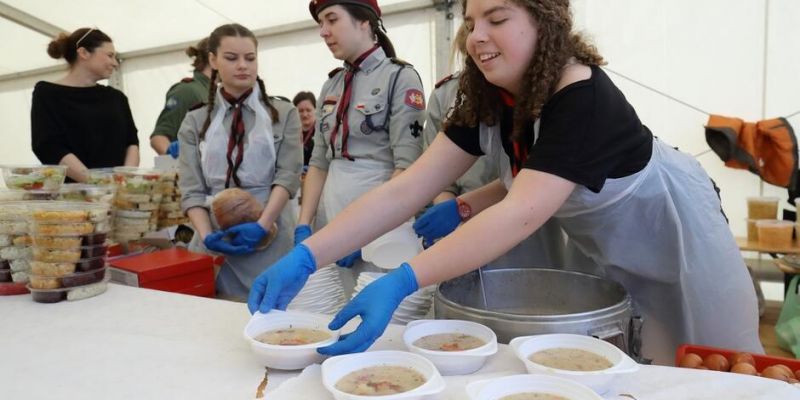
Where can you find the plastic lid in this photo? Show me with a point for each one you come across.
(774, 222)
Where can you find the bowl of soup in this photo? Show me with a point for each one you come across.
(288, 340)
(583, 359)
(529, 387)
(455, 347)
(384, 375)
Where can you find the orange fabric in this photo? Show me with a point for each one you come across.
(767, 148)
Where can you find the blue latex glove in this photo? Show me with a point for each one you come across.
(215, 241)
(173, 149)
(375, 304)
(438, 222)
(280, 283)
(348, 261)
(301, 233)
(247, 234)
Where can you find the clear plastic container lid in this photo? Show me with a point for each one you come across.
(34, 177)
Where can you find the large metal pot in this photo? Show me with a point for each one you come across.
(536, 301)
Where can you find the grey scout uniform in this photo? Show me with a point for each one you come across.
(545, 248)
(180, 98)
(238, 272)
(391, 136)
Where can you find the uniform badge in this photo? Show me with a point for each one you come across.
(415, 99)
(172, 102)
(416, 128)
(365, 129)
(376, 91)
(325, 126)
(329, 104)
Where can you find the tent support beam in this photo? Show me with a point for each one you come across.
(29, 21)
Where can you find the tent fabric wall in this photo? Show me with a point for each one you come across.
(709, 54)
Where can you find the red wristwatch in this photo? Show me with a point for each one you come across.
(464, 210)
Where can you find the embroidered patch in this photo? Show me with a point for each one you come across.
(325, 127)
(329, 104)
(416, 128)
(415, 99)
(365, 129)
(172, 102)
(376, 91)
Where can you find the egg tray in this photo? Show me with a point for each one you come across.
(762, 361)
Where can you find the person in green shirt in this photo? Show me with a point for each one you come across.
(180, 98)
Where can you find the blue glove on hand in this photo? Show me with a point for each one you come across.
(280, 283)
(215, 241)
(375, 304)
(173, 149)
(247, 234)
(301, 233)
(348, 261)
(438, 222)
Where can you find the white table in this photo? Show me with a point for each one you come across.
(134, 343)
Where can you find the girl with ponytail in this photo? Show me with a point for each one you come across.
(241, 139)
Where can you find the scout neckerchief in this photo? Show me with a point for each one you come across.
(344, 104)
(520, 150)
(236, 138)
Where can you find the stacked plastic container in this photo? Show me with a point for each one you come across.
(15, 249)
(136, 204)
(34, 177)
(68, 252)
(169, 212)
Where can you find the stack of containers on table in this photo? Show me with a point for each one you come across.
(136, 203)
(34, 177)
(169, 211)
(413, 307)
(762, 225)
(15, 249)
(68, 252)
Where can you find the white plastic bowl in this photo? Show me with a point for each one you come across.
(452, 362)
(287, 357)
(494, 389)
(599, 381)
(335, 368)
(393, 248)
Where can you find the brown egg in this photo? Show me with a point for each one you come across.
(690, 360)
(775, 372)
(742, 358)
(785, 369)
(743, 368)
(717, 362)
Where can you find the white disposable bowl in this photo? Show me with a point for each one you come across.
(452, 362)
(287, 357)
(393, 248)
(335, 368)
(494, 389)
(599, 381)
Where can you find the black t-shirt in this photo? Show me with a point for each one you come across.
(93, 123)
(588, 133)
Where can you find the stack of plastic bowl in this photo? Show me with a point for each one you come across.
(322, 293)
(415, 306)
(136, 203)
(169, 211)
(68, 257)
(15, 249)
(34, 177)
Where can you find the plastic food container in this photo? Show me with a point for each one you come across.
(393, 248)
(5, 275)
(762, 207)
(83, 278)
(287, 357)
(773, 233)
(85, 292)
(494, 389)
(88, 193)
(101, 176)
(4, 265)
(56, 255)
(452, 362)
(76, 293)
(335, 368)
(34, 177)
(94, 239)
(51, 212)
(136, 180)
(93, 251)
(57, 242)
(90, 264)
(752, 230)
(599, 381)
(52, 269)
(19, 265)
(72, 229)
(15, 252)
(44, 282)
(133, 215)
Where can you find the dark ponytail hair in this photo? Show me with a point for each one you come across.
(66, 45)
(223, 31)
(200, 54)
(360, 13)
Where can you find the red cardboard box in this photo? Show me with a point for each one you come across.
(173, 270)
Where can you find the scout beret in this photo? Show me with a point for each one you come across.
(315, 6)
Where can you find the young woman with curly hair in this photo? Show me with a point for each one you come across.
(569, 146)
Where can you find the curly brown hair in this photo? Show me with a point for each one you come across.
(556, 45)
